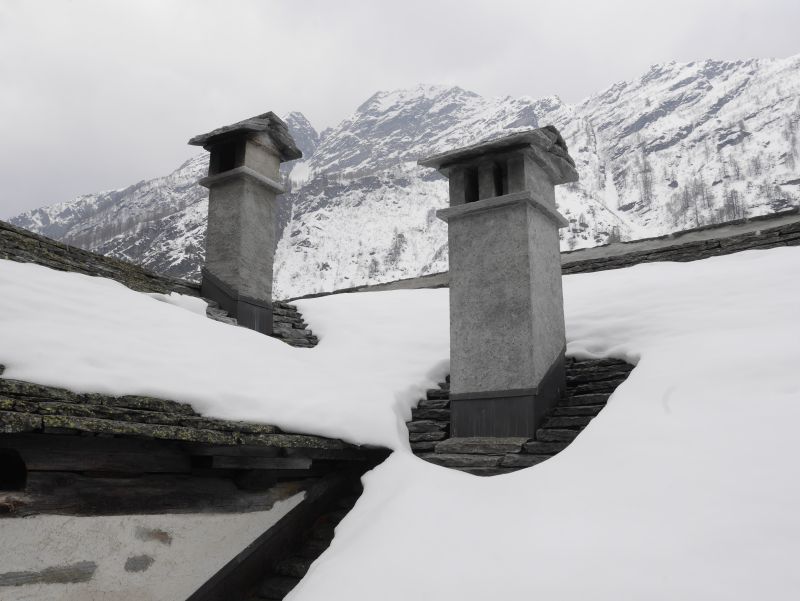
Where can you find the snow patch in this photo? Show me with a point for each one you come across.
(190, 303)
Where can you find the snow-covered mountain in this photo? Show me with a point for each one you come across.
(685, 144)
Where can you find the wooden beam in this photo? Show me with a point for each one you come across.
(42, 452)
(260, 463)
(67, 493)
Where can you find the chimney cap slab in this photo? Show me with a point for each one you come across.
(267, 122)
(545, 143)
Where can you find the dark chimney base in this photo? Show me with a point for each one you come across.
(251, 313)
(502, 413)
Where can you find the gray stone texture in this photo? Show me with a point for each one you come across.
(489, 456)
(481, 445)
(241, 235)
(506, 314)
(244, 180)
(523, 460)
(462, 460)
(279, 136)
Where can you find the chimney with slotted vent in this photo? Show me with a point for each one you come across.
(244, 180)
(506, 307)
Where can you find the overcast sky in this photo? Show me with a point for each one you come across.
(100, 94)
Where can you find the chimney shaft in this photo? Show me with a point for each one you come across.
(244, 181)
(506, 307)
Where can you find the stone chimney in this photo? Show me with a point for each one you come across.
(506, 306)
(244, 181)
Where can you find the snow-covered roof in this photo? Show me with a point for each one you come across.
(674, 489)
(679, 488)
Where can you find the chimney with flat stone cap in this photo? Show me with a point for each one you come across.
(244, 181)
(507, 338)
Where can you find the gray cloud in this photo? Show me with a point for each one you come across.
(99, 94)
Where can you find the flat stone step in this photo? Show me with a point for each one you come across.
(556, 435)
(601, 365)
(437, 394)
(426, 436)
(277, 587)
(594, 387)
(293, 567)
(567, 422)
(459, 460)
(423, 446)
(536, 447)
(431, 414)
(488, 471)
(286, 319)
(522, 461)
(481, 445)
(434, 404)
(590, 410)
(590, 375)
(590, 384)
(291, 332)
(572, 363)
(220, 315)
(300, 342)
(427, 425)
(584, 399)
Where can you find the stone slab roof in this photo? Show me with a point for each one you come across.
(17, 244)
(27, 407)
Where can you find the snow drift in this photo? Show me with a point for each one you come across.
(682, 488)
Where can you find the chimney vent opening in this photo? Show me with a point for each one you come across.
(471, 184)
(13, 472)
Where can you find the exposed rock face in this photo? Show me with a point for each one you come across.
(685, 144)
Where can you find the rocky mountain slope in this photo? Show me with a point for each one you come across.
(685, 144)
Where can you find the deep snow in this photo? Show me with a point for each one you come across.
(684, 487)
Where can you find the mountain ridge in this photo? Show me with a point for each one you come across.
(684, 144)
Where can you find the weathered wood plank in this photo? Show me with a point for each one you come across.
(232, 450)
(66, 493)
(89, 453)
(261, 463)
